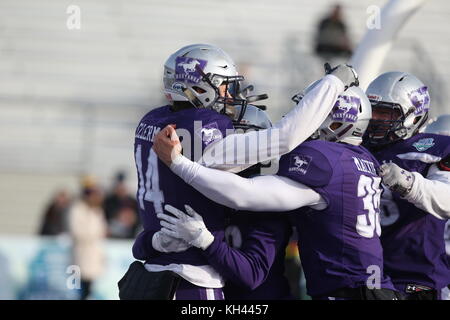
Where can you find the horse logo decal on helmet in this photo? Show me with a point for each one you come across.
(346, 109)
(187, 69)
(420, 99)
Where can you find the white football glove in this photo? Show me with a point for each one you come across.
(345, 73)
(396, 179)
(164, 243)
(187, 226)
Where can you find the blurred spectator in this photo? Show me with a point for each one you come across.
(124, 223)
(88, 228)
(332, 40)
(121, 210)
(55, 216)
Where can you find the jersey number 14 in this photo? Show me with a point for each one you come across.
(149, 186)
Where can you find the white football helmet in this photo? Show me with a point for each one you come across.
(406, 101)
(194, 73)
(348, 119)
(253, 118)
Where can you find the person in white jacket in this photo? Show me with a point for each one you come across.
(88, 229)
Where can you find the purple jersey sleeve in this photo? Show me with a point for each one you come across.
(142, 247)
(306, 165)
(249, 265)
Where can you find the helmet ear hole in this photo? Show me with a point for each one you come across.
(417, 119)
(335, 125)
(198, 89)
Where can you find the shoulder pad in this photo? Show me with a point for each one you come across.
(306, 165)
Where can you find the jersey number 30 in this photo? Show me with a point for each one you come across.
(369, 190)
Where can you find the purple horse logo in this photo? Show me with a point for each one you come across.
(420, 98)
(346, 109)
(189, 69)
(299, 163)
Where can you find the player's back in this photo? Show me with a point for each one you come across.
(339, 246)
(412, 239)
(157, 185)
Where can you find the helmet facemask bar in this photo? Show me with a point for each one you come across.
(385, 131)
(226, 100)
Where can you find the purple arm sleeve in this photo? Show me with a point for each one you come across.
(249, 265)
(142, 247)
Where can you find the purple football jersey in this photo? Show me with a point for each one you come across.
(339, 246)
(412, 239)
(157, 185)
(261, 240)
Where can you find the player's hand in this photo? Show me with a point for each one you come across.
(167, 145)
(164, 243)
(397, 179)
(187, 226)
(345, 73)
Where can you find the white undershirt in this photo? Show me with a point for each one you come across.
(238, 151)
(261, 193)
(432, 194)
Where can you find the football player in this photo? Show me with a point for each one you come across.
(441, 126)
(202, 84)
(416, 171)
(252, 257)
(332, 185)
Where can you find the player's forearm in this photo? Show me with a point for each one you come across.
(239, 193)
(238, 151)
(247, 268)
(143, 248)
(220, 186)
(430, 195)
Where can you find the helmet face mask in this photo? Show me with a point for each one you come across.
(225, 93)
(387, 123)
(400, 104)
